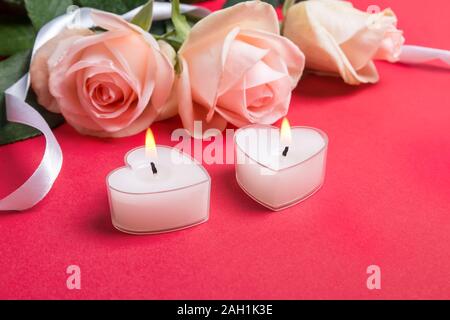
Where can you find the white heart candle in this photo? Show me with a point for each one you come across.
(280, 170)
(160, 190)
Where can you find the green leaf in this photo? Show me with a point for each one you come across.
(144, 17)
(15, 37)
(42, 11)
(158, 28)
(14, 8)
(287, 5)
(165, 30)
(230, 3)
(12, 70)
(177, 29)
(15, 2)
(114, 6)
(13, 132)
(179, 21)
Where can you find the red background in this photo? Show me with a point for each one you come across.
(386, 201)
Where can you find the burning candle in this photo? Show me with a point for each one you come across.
(160, 189)
(280, 168)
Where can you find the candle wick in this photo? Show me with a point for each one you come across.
(154, 170)
(285, 152)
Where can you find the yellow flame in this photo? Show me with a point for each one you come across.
(286, 134)
(150, 145)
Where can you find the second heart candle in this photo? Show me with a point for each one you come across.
(277, 169)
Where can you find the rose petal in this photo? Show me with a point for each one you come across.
(39, 72)
(241, 57)
(339, 18)
(119, 104)
(103, 87)
(252, 15)
(164, 78)
(323, 52)
(275, 108)
(226, 24)
(112, 22)
(206, 67)
(391, 46)
(339, 39)
(284, 48)
(258, 97)
(170, 107)
(67, 54)
(163, 66)
(362, 47)
(260, 74)
(190, 111)
(232, 105)
(96, 67)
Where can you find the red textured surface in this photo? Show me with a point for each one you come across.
(386, 201)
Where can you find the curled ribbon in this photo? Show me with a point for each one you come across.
(17, 110)
(417, 54)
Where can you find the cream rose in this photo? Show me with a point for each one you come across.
(237, 68)
(109, 84)
(339, 39)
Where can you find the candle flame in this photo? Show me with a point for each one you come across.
(286, 134)
(150, 145)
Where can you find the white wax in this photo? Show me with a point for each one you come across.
(175, 170)
(176, 197)
(272, 179)
(263, 144)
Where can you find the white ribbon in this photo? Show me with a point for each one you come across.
(417, 54)
(17, 110)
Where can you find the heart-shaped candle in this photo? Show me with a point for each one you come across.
(160, 190)
(280, 169)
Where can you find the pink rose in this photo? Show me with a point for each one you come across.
(109, 84)
(237, 68)
(39, 68)
(341, 40)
